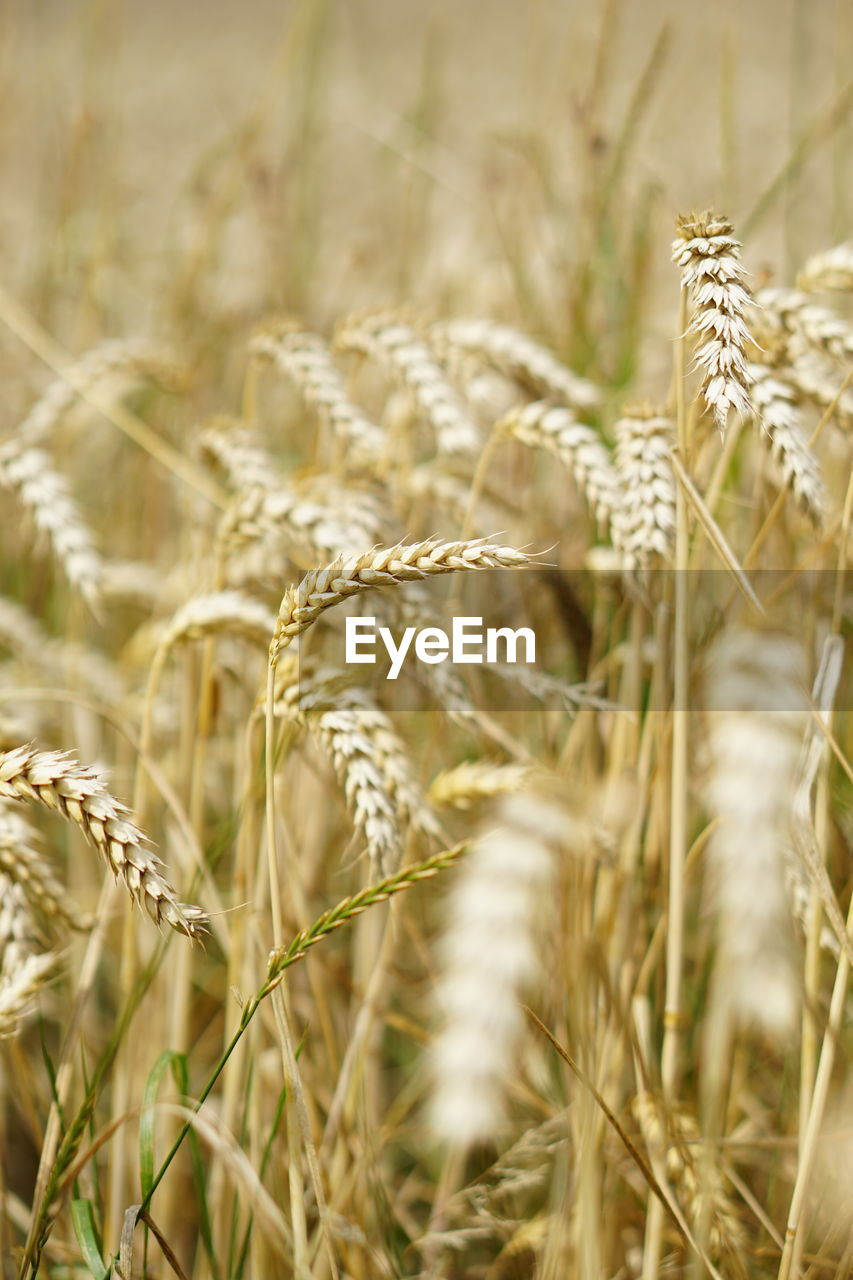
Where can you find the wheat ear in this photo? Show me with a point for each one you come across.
(777, 412)
(643, 524)
(831, 269)
(385, 566)
(709, 258)
(543, 425)
(384, 337)
(20, 985)
(305, 358)
(56, 780)
(512, 353)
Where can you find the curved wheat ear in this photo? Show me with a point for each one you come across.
(55, 779)
(798, 314)
(643, 524)
(491, 951)
(832, 269)
(370, 759)
(30, 474)
(21, 862)
(383, 337)
(305, 358)
(303, 526)
(474, 781)
(580, 448)
(19, 986)
(219, 611)
(531, 365)
(776, 411)
(709, 258)
(384, 566)
(121, 365)
(756, 719)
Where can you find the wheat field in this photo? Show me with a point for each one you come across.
(328, 324)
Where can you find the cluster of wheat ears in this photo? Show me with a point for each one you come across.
(607, 1037)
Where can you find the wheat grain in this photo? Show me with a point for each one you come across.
(777, 413)
(709, 258)
(321, 589)
(238, 452)
(384, 337)
(55, 779)
(579, 447)
(533, 366)
(305, 358)
(643, 525)
(491, 951)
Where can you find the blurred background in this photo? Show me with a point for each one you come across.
(186, 168)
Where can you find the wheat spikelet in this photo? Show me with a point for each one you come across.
(383, 337)
(368, 756)
(709, 258)
(115, 367)
(19, 986)
(474, 781)
(23, 865)
(580, 448)
(55, 779)
(798, 314)
(755, 725)
(777, 412)
(491, 951)
(832, 269)
(643, 525)
(321, 589)
(533, 366)
(44, 492)
(305, 358)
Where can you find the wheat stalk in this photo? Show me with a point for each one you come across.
(55, 780)
(709, 258)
